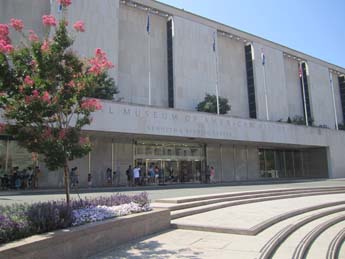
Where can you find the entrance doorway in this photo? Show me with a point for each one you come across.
(171, 171)
(175, 162)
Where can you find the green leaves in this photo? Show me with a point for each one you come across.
(209, 104)
(44, 86)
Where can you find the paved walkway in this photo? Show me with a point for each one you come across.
(159, 192)
(179, 243)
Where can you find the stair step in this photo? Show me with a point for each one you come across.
(200, 209)
(234, 194)
(270, 248)
(186, 205)
(255, 230)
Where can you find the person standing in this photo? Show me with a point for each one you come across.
(212, 174)
(136, 175)
(129, 173)
(36, 174)
(109, 177)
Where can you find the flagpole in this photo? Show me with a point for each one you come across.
(149, 53)
(334, 107)
(304, 99)
(217, 72)
(265, 86)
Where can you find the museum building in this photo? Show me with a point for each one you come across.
(167, 60)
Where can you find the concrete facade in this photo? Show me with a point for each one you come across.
(231, 141)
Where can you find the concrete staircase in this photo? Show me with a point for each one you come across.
(305, 232)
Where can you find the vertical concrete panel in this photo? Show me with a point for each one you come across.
(194, 63)
(213, 159)
(336, 155)
(124, 158)
(321, 95)
(253, 163)
(101, 25)
(241, 165)
(275, 84)
(337, 99)
(30, 12)
(293, 88)
(228, 163)
(134, 57)
(232, 75)
(100, 160)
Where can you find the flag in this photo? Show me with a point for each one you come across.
(300, 72)
(214, 42)
(263, 58)
(148, 23)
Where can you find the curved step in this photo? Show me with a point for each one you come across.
(186, 205)
(259, 227)
(234, 194)
(335, 245)
(304, 246)
(205, 208)
(273, 244)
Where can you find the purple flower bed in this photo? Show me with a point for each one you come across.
(19, 221)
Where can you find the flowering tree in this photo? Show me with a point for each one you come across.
(46, 90)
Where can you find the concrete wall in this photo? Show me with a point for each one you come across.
(293, 88)
(30, 12)
(134, 57)
(101, 25)
(275, 84)
(233, 162)
(337, 99)
(194, 63)
(321, 95)
(232, 75)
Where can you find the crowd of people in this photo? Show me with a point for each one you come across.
(20, 179)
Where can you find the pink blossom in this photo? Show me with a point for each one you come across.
(35, 93)
(49, 20)
(29, 81)
(91, 105)
(45, 46)
(33, 63)
(33, 36)
(17, 24)
(47, 133)
(46, 97)
(4, 31)
(5, 47)
(99, 63)
(65, 3)
(83, 140)
(62, 133)
(71, 84)
(27, 99)
(79, 26)
(2, 127)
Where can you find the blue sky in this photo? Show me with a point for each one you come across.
(315, 27)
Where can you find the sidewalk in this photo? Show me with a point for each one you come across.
(166, 191)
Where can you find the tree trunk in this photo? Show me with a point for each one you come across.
(66, 178)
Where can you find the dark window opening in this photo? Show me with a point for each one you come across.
(341, 80)
(170, 64)
(250, 81)
(305, 86)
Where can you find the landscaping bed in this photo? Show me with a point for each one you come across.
(23, 220)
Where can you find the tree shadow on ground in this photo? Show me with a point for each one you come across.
(142, 249)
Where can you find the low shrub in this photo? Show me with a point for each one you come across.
(23, 220)
(49, 216)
